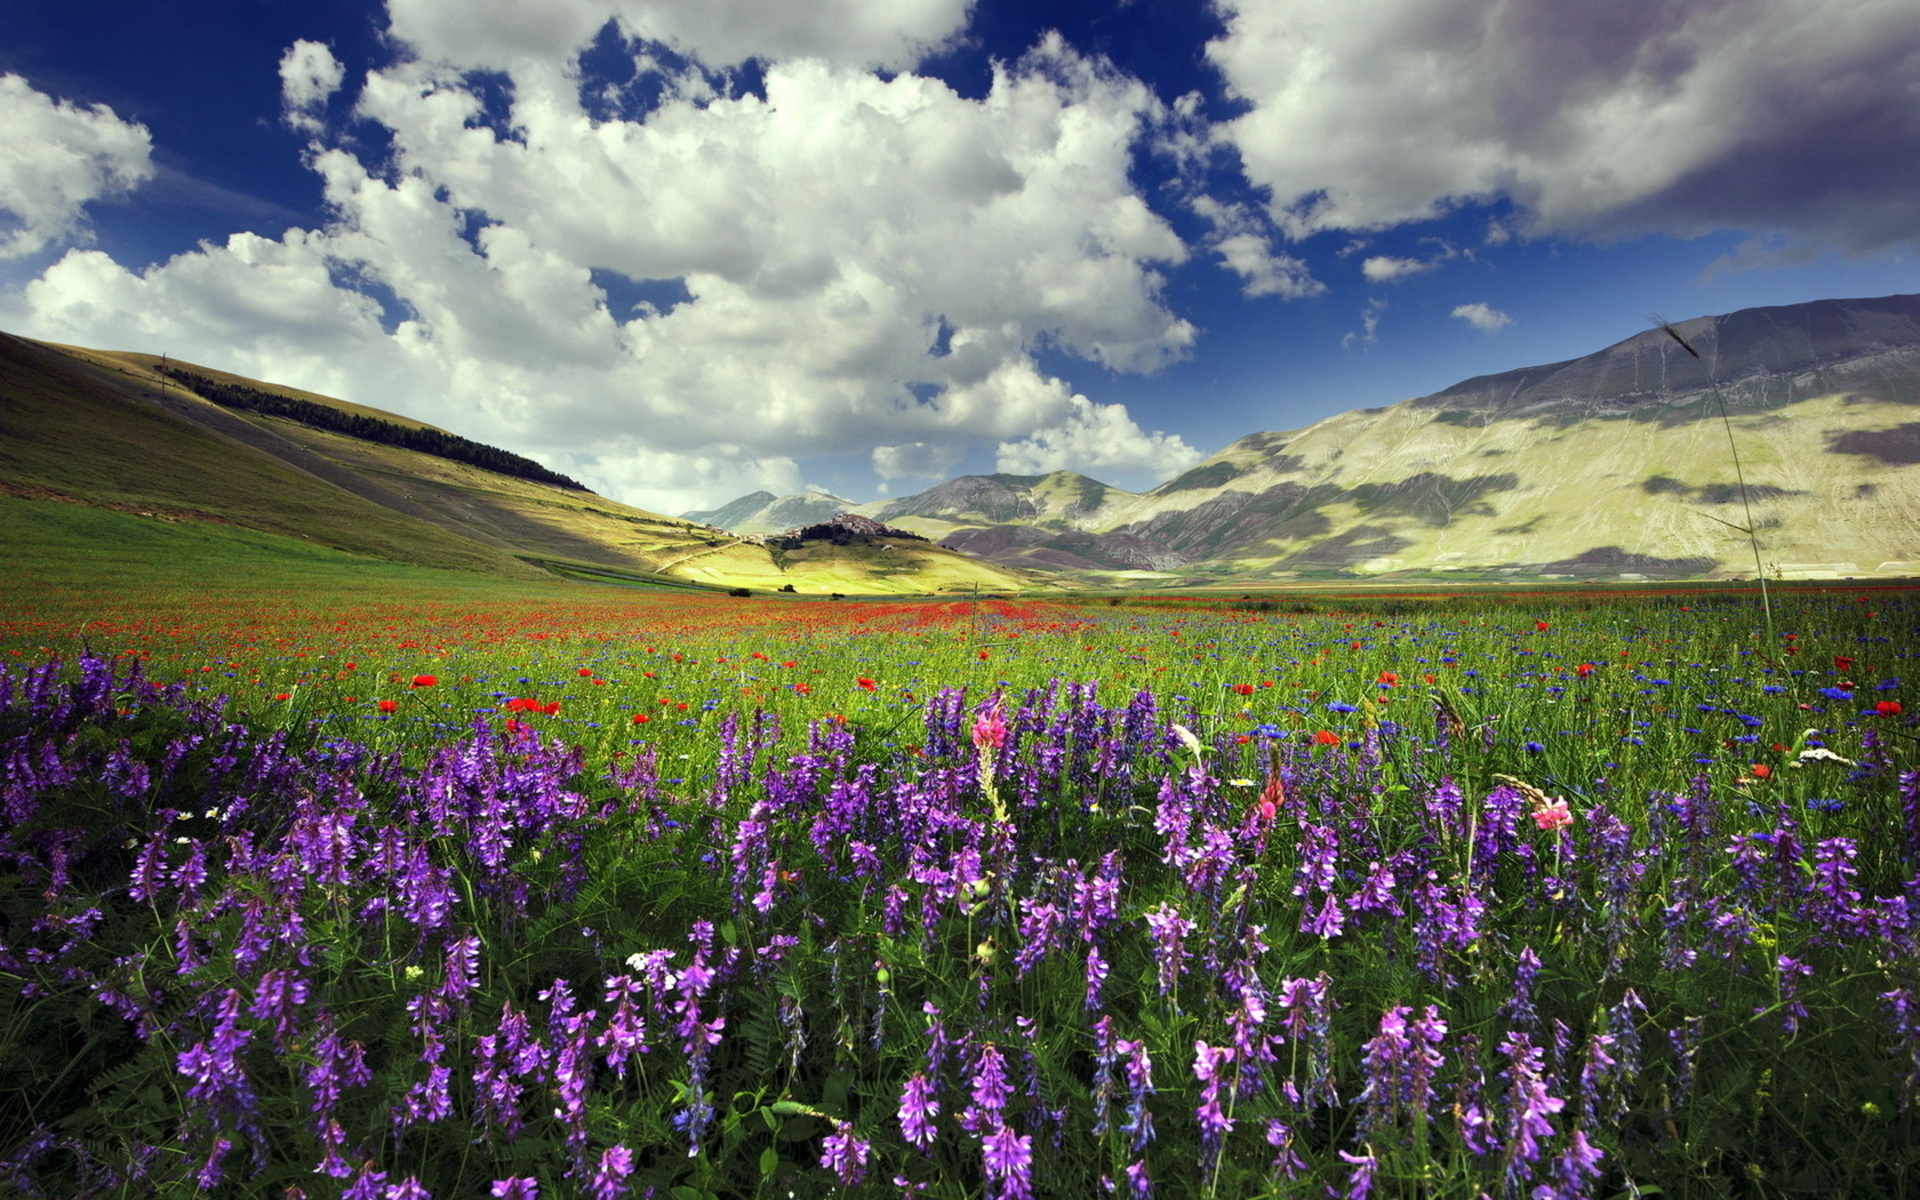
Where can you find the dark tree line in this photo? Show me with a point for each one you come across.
(372, 429)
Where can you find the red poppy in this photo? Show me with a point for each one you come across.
(1887, 708)
(553, 708)
(863, 682)
(1541, 626)
(1762, 771)
(283, 696)
(425, 680)
(1583, 670)
(387, 705)
(1842, 663)
(1387, 679)
(641, 718)
(586, 672)
(1244, 689)
(1326, 737)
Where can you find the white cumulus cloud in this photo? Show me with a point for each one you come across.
(309, 76)
(858, 259)
(914, 460)
(55, 159)
(1240, 238)
(1097, 439)
(1483, 317)
(1386, 268)
(1595, 117)
(512, 34)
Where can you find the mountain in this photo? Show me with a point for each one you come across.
(184, 442)
(763, 512)
(1616, 464)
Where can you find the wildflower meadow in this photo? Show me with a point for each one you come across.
(600, 894)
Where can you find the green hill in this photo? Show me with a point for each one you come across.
(131, 433)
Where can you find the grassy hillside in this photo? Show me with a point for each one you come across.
(74, 429)
(109, 429)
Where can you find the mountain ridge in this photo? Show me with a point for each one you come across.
(1611, 464)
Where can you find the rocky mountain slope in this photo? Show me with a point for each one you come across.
(1613, 465)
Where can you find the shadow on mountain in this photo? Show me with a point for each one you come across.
(1713, 493)
(1356, 545)
(1433, 500)
(1897, 447)
(1610, 560)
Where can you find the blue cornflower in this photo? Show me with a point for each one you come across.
(1338, 707)
(1267, 730)
(1836, 693)
(1817, 804)
(1535, 748)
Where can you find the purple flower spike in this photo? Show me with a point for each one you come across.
(1008, 1158)
(610, 1179)
(919, 1111)
(844, 1154)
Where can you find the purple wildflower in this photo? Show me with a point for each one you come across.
(1096, 978)
(1686, 1045)
(1904, 1009)
(463, 971)
(278, 998)
(990, 1088)
(1008, 1159)
(1399, 1064)
(369, 1184)
(1040, 930)
(919, 1110)
(1518, 1008)
(1360, 1181)
(1286, 1163)
(1169, 929)
(1530, 1107)
(845, 1154)
(1139, 1121)
(523, 1187)
(1576, 1166)
(610, 1177)
(1792, 1010)
(1212, 1066)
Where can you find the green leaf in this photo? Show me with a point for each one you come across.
(769, 1162)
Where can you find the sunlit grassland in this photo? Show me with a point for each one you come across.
(460, 812)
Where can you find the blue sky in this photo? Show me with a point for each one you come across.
(683, 249)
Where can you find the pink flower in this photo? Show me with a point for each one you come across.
(1553, 816)
(990, 729)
